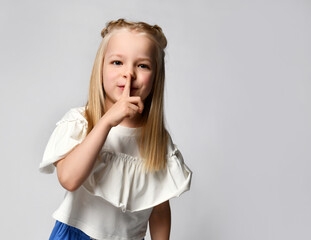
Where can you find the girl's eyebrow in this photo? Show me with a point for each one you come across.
(144, 59)
(121, 56)
(115, 55)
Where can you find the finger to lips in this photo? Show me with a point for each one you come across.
(127, 87)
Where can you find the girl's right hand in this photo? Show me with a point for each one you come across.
(125, 107)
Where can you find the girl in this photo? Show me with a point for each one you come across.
(114, 156)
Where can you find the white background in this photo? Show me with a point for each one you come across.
(238, 105)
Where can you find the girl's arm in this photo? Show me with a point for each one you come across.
(77, 165)
(160, 222)
(73, 170)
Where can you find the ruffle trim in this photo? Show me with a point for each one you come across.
(121, 180)
(117, 177)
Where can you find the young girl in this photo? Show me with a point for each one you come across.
(114, 156)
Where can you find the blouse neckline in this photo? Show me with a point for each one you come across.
(126, 131)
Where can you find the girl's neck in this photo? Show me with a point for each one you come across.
(133, 122)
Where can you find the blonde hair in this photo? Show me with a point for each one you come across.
(154, 137)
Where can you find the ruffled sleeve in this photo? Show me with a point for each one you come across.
(119, 179)
(69, 132)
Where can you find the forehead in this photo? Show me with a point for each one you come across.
(129, 42)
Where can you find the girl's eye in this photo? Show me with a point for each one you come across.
(116, 63)
(143, 66)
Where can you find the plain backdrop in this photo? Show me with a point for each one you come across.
(237, 104)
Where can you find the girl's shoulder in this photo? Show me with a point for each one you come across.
(76, 114)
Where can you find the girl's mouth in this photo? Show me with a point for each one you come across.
(132, 89)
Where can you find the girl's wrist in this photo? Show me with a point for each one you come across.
(105, 125)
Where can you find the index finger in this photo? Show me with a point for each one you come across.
(127, 88)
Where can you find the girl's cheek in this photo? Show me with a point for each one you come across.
(114, 74)
(111, 77)
(147, 80)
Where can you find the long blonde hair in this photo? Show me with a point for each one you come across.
(154, 137)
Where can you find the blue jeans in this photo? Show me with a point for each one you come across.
(62, 231)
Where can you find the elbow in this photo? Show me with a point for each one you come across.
(67, 181)
(68, 184)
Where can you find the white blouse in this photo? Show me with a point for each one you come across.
(116, 200)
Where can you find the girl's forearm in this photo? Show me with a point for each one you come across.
(160, 222)
(78, 164)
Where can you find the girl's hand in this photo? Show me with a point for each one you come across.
(125, 107)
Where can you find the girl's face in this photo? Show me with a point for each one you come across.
(128, 55)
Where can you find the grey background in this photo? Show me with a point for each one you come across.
(237, 105)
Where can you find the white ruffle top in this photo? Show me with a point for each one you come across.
(116, 200)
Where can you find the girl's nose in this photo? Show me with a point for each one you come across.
(129, 74)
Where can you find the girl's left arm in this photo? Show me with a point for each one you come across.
(160, 222)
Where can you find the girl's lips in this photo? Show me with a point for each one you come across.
(122, 87)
